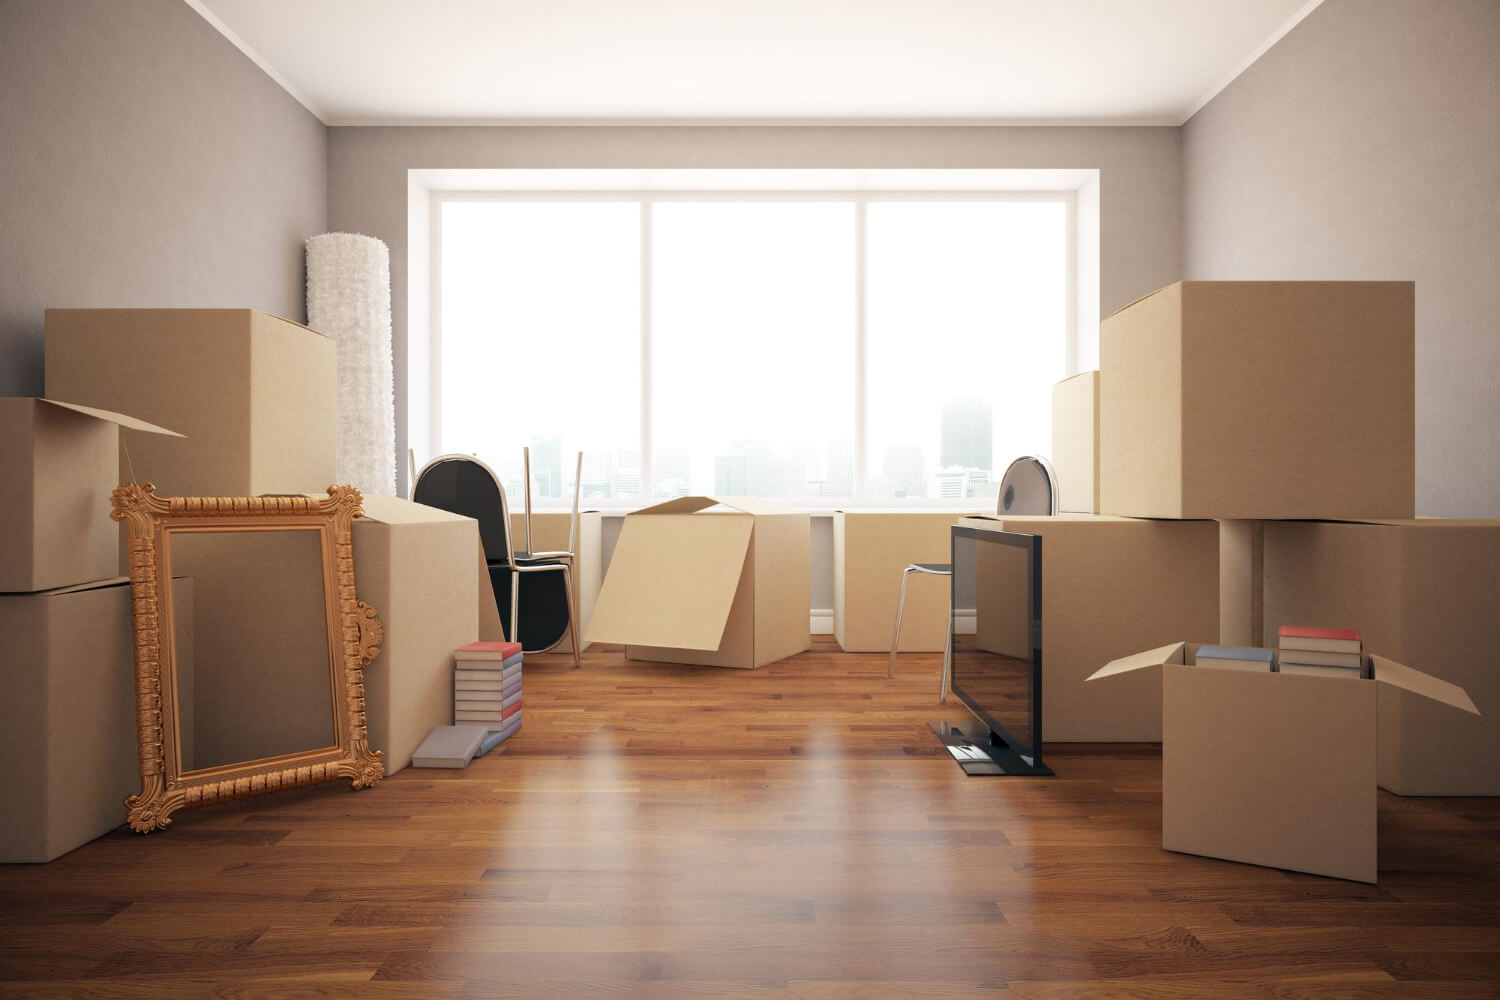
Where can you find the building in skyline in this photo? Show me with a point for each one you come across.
(967, 434)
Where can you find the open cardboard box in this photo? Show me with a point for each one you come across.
(59, 462)
(721, 587)
(1269, 768)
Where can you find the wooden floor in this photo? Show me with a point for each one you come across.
(795, 831)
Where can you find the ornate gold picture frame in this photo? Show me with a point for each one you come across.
(354, 634)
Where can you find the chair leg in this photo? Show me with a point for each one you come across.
(515, 606)
(890, 671)
(572, 619)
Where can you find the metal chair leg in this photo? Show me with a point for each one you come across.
(890, 671)
(572, 619)
(515, 606)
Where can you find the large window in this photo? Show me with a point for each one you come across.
(818, 349)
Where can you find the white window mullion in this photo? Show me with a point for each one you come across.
(647, 480)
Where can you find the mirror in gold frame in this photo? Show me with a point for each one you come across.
(206, 733)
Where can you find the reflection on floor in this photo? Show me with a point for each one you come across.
(789, 832)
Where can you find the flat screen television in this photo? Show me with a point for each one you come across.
(996, 660)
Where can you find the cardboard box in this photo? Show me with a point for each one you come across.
(870, 550)
(1424, 592)
(253, 392)
(415, 566)
(1111, 585)
(1075, 443)
(59, 462)
(549, 533)
(721, 587)
(1260, 399)
(68, 721)
(1269, 768)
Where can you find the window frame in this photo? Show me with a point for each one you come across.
(861, 200)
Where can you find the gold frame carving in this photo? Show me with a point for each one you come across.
(355, 635)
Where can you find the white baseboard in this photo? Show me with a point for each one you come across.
(821, 622)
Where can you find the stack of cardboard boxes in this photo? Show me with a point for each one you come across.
(254, 395)
(1261, 405)
(67, 721)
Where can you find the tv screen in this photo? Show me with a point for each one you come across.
(997, 637)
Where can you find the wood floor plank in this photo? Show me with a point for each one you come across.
(793, 832)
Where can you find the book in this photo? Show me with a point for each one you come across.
(1322, 640)
(467, 684)
(485, 672)
(1312, 670)
(478, 704)
(510, 710)
(510, 689)
(450, 746)
(487, 661)
(487, 716)
(1235, 657)
(1312, 658)
(499, 736)
(510, 700)
(502, 650)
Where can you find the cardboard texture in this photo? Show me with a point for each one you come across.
(1075, 443)
(253, 392)
(59, 462)
(1110, 585)
(1241, 582)
(68, 722)
(1260, 399)
(549, 533)
(416, 566)
(1268, 768)
(717, 587)
(1422, 591)
(870, 550)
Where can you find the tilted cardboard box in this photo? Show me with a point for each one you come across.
(253, 392)
(691, 584)
(1075, 443)
(1260, 399)
(1425, 592)
(1111, 585)
(1269, 768)
(871, 548)
(68, 720)
(416, 566)
(59, 462)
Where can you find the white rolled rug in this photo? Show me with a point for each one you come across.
(349, 299)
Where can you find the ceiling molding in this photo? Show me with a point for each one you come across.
(758, 123)
(255, 57)
(1252, 58)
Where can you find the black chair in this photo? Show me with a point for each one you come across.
(462, 484)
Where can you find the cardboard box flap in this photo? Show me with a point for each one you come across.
(1409, 679)
(129, 423)
(78, 588)
(1143, 298)
(1140, 661)
(671, 581)
(689, 505)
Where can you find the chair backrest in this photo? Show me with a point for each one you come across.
(462, 484)
(1029, 486)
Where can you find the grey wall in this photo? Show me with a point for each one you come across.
(1366, 145)
(1140, 191)
(145, 162)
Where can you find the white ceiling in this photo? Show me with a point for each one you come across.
(355, 62)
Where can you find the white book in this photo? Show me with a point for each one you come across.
(488, 716)
(449, 746)
(460, 684)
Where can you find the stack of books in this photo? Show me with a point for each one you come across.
(487, 689)
(1235, 657)
(1323, 652)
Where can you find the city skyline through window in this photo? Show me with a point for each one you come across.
(709, 345)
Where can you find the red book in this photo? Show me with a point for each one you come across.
(488, 650)
(512, 710)
(1323, 640)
